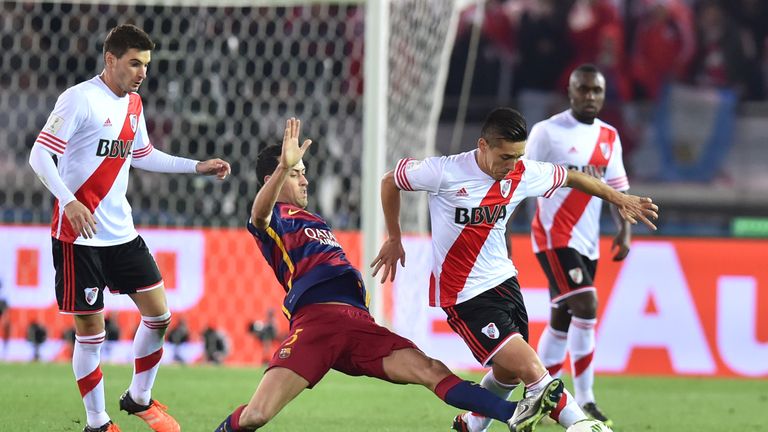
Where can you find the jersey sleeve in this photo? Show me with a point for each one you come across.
(419, 175)
(615, 174)
(142, 146)
(543, 178)
(537, 147)
(275, 228)
(68, 114)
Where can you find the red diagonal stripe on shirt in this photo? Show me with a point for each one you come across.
(89, 382)
(576, 202)
(101, 180)
(463, 253)
(539, 233)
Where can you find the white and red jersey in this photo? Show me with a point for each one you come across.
(571, 218)
(95, 134)
(469, 212)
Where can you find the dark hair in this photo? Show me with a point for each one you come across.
(587, 68)
(267, 161)
(504, 124)
(124, 37)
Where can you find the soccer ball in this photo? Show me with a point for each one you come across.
(588, 426)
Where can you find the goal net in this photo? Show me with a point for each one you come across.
(366, 78)
(223, 78)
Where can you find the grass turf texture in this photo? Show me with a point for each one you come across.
(44, 397)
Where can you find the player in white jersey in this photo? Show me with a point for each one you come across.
(471, 196)
(97, 132)
(566, 232)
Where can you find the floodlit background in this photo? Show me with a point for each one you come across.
(687, 90)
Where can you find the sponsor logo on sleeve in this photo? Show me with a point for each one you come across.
(53, 124)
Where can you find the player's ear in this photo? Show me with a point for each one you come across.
(482, 143)
(109, 59)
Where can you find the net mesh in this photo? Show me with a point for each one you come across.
(221, 83)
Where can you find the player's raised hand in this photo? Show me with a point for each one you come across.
(390, 253)
(292, 153)
(81, 219)
(217, 167)
(634, 208)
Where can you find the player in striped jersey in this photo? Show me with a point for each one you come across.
(471, 197)
(97, 132)
(565, 231)
(327, 305)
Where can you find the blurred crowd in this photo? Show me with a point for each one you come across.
(640, 45)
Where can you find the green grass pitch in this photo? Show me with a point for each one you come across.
(37, 397)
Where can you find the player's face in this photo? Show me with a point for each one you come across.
(498, 158)
(587, 93)
(294, 189)
(128, 71)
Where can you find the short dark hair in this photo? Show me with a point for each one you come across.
(267, 161)
(587, 68)
(504, 124)
(124, 37)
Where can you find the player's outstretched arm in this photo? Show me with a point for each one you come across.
(392, 250)
(261, 211)
(217, 167)
(630, 207)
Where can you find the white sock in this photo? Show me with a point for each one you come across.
(567, 411)
(477, 422)
(539, 384)
(86, 358)
(581, 344)
(147, 350)
(552, 350)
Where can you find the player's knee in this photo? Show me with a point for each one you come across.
(87, 325)
(253, 418)
(584, 306)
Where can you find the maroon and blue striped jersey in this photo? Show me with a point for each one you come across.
(303, 252)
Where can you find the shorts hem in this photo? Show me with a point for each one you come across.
(498, 348)
(138, 290)
(571, 293)
(70, 312)
(309, 386)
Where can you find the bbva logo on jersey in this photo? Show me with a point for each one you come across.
(114, 148)
(480, 215)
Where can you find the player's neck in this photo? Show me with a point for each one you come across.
(479, 162)
(107, 79)
(583, 118)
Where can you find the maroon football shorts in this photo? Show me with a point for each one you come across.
(334, 336)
